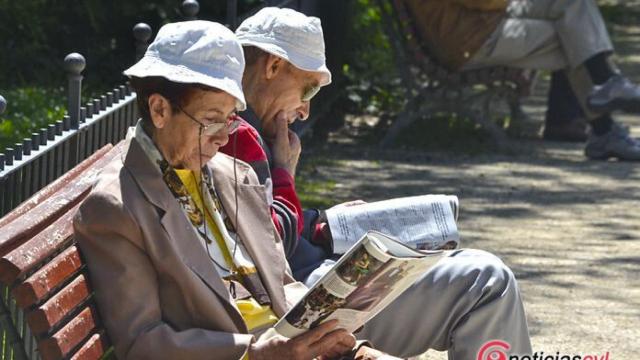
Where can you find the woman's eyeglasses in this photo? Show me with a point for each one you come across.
(231, 124)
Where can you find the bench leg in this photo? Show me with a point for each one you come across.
(412, 111)
(483, 118)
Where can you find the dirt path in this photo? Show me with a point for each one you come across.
(568, 227)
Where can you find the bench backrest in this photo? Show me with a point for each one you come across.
(44, 273)
(419, 56)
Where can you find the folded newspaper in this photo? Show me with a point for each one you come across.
(426, 222)
(375, 271)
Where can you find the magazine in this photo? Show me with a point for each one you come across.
(375, 271)
(426, 222)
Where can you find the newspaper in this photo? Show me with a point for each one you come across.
(424, 222)
(375, 271)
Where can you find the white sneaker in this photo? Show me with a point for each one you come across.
(617, 143)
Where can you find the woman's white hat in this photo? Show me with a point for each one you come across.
(288, 34)
(198, 52)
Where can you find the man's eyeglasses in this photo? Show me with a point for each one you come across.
(231, 124)
(309, 92)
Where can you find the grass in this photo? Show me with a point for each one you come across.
(313, 188)
(619, 13)
(445, 132)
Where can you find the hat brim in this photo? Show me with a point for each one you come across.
(299, 60)
(154, 66)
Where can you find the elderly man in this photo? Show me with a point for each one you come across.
(466, 300)
(564, 35)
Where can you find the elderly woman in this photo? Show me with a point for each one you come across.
(181, 249)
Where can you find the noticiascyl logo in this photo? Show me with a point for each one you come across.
(494, 350)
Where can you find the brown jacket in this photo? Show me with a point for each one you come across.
(157, 291)
(454, 30)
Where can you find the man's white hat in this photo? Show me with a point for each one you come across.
(198, 52)
(288, 34)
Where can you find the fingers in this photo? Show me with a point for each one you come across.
(294, 142)
(349, 203)
(345, 345)
(335, 343)
(317, 333)
(282, 126)
(355, 203)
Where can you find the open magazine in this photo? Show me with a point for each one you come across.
(426, 222)
(375, 271)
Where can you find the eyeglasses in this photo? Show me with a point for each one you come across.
(231, 124)
(309, 92)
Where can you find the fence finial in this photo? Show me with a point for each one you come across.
(232, 14)
(142, 34)
(3, 105)
(74, 64)
(190, 9)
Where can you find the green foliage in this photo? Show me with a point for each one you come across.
(38, 34)
(29, 109)
(375, 86)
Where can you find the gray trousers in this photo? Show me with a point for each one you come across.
(549, 35)
(467, 299)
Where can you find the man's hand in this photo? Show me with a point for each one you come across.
(323, 341)
(286, 146)
(349, 203)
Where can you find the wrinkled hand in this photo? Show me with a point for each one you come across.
(324, 341)
(367, 353)
(349, 203)
(286, 146)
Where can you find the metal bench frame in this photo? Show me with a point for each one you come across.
(434, 89)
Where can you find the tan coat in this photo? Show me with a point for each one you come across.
(454, 30)
(158, 293)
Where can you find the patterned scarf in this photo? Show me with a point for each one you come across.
(233, 262)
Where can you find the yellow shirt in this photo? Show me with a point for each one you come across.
(254, 314)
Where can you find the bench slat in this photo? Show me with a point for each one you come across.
(93, 349)
(47, 316)
(40, 216)
(34, 251)
(69, 337)
(50, 189)
(42, 282)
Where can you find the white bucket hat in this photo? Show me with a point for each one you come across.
(288, 34)
(198, 52)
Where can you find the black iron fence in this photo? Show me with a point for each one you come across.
(31, 164)
(35, 162)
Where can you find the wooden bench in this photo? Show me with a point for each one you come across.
(47, 297)
(468, 93)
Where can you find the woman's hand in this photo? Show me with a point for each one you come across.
(323, 341)
(367, 353)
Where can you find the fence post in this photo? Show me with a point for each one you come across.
(3, 107)
(142, 34)
(190, 9)
(232, 14)
(74, 64)
(3, 104)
